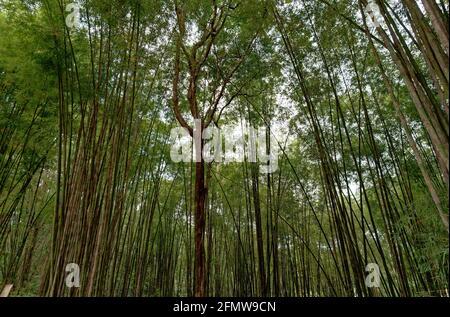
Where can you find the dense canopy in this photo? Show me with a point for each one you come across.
(224, 147)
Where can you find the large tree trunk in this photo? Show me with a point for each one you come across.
(200, 197)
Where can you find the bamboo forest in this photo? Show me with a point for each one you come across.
(224, 148)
